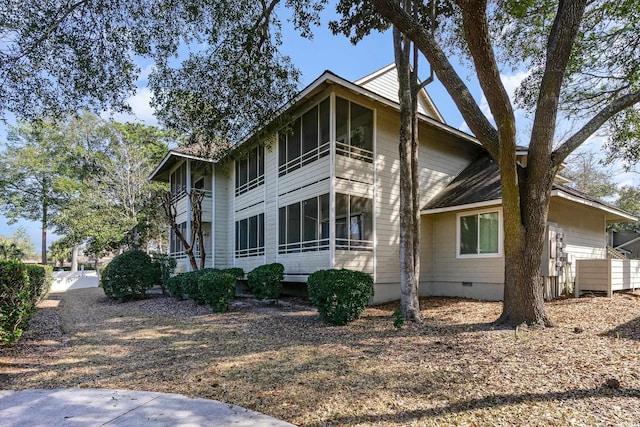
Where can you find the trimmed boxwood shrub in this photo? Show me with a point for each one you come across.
(40, 280)
(217, 288)
(191, 286)
(16, 301)
(266, 281)
(174, 286)
(339, 295)
(234, 271)
(129, 275)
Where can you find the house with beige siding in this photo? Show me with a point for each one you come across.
(324, 193)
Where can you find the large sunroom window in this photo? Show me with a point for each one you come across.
(178, 180)
(250, 170)
(304, 226)
(175, 245)
(306, 140)
(250, 236)
(479, 234)
(354, 223)
(354, 130)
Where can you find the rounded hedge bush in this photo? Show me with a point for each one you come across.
(339, 295)
(129, 275)
(174, 286)
(217, 289)
(265, 282)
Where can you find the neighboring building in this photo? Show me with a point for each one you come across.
(326, 195)
(627, 243)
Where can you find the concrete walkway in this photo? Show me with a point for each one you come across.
(83, 407)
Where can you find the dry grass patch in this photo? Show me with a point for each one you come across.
(456, 369)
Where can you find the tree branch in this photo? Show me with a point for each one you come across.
(561, 39)
(478, 40)
(567, 147)
(48, 31)
(443, 69)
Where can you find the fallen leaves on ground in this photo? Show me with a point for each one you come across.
(279, 359)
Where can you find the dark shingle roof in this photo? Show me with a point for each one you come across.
(478, 182)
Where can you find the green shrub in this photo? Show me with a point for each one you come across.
(174, 285)
(217, 288)
(236, 272)
(129, 275)
(191, 285)
(266, 281)
(16, 301)
(166, 265)
(40, 280)
(339, 295)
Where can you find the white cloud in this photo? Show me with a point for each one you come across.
(142, 112)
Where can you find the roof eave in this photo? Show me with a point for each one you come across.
(616, 214)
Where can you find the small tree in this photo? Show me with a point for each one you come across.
(169, 204)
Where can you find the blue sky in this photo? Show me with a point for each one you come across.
(312, 57)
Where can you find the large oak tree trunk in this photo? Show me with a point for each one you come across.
(409, 214)
(524, 236)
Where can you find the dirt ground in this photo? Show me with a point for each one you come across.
(279, 359)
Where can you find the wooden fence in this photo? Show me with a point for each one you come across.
(607, 275)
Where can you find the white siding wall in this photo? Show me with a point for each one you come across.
(584, 230)
(386, 84)
(271, 202)
(222, 193)
(441, 158)
(483, 278)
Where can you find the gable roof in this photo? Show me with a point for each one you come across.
(328, 78)
(478, 185)
(385, 82)
(198, 151)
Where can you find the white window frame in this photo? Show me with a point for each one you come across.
(500, 252)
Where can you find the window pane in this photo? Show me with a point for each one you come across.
(293, 142)
(310, 221)
(293, 223)
(261, 160)
(243, 235)
(361, 127)
(310, 130)
(324, 216)
(342, 120)
(242, 172)
(253, 232)
(342, 210)
(489, 233)
(469, 234)
(361, 221)
(282, 148)
(253, 165)
(324, 121)
(282, 226)
(261, 230)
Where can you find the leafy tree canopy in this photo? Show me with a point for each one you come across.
(58, 57)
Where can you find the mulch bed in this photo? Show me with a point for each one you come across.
(279, 359)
